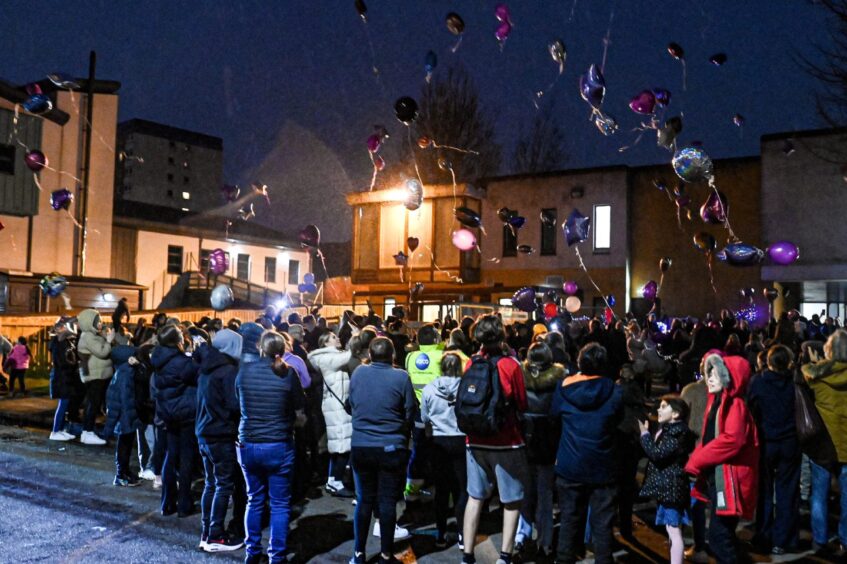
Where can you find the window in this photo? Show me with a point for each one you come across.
(186, 195)
(548, 231)
(174, 259)
(204, 259)
(294, 272)
(389, 305)
(243, 269)
(270, 270)
(170, 178)
(602, 228)
(7, 159)
(510, 242)
(185, 164)
(185, 180)
(170, 160)
(170, 193)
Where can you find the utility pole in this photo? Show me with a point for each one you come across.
(86, 171)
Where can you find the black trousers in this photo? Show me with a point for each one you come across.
(20, 376)
(574, 500)
(379, 477)
(451, 479)
(123, 455)
(93, 402)
(722, 541)
(177, 470)
(780, 474)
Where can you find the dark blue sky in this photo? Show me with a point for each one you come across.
(250, 71)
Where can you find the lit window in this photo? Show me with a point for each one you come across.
(602, 228)
(185, 209)
(186, 196)
(185, 164)
(270, 270)
(389, 305)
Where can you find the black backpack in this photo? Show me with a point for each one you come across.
(480, 405)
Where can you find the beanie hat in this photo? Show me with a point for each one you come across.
(228, 342)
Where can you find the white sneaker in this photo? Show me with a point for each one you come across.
(399, 532)
(60, 436)
(70, 436)
(157, 482)
(147, 475)
(89, 438)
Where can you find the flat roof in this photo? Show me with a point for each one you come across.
(146, 127)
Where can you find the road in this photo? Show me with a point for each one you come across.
(57, 503)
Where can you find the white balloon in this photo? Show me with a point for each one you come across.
(572, 304)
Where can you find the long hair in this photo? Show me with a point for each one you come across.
(272, 345)
(836, 346)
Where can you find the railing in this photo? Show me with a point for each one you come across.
(241, 289)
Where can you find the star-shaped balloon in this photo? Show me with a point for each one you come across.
(576, 228)
(401, 259)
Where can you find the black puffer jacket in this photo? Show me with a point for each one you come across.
(175, 385)
(218, 412)
(541, 431)
(665, 479)
(64, 374)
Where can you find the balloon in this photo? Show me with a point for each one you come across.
(35, 160)
(576, 228)
(413, 243)
(570, 287)
(592, 86)
(38, 104)
(309, 278)
(572, 304)
(417, 289)
(406, 110)
(525, 249)
(505, 214)
(230, 192)
(649, 291)
(705, 242)
(517, 221)
(557, 51)
(611, 299)
(783, 252)
(788, 147)
(414, 197)
(310, 236)
(467, 217)
(738, 120)
(501, 12)
(605, 123)
(662, 96)
(548, 217)
(430, 62)
(307, 288)
(660, 185)
(424, 142)
(676, 51)
(218, 261)
(644, 103)
(400, 259)
(374, 143)
(715, 208)
(503, 32)
(222, 297)
(63, 80)
(665, 263)
(61, 199)
(247, 212)
(361, 9)
(53, 284)
(445, 165)
(741, 254)
(464, 240)
(455, 23)
(692, 164)
(379, 163)
(666, 135)
(771, 294)
(551, 310)
(717, 59)
(33, 88)
(524, 299)
(748, 293)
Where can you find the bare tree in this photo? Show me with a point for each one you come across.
(451, 114)
(831, 71)
(542, 148)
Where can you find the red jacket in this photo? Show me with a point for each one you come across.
(734, 452)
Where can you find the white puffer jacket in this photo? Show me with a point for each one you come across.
(339, 425)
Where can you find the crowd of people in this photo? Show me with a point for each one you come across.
(555, 415)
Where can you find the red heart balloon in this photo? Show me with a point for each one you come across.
(413, 243)
(644, 103)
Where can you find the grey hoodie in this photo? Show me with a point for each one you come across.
(437, 406)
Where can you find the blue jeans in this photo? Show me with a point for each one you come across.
(537, 507)
(144, 452)
(777, 524)
(821, 478)
(59, 417)
(220, 466)
(267, 470)
(379, 476)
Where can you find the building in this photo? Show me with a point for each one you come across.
(168, 167)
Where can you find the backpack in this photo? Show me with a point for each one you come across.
(480, 406)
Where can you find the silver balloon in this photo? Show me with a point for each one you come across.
(222, 297)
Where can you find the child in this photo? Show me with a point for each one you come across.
(665, 478)
(19, 360)
(122, 413)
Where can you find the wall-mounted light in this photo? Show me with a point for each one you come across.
(577, 192)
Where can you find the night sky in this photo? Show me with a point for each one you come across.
(288, 85)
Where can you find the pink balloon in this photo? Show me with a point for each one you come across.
(503, 31)
(464, 239)
(374, 143)
(570, 287)
(501, 12)
(644, 103)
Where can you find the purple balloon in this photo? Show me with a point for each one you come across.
(310, 236)
(218, 261)
(517, 221)
(650, 290)
(503, 31)
(230, 192)
(592, 86)
(715, 208)
(783, 252)
(374, 143)
(663, 96)
(501, 12)
(644, 103)
(576, 228)
(35, 160)
(570, 287)
(524, 299)
(61, 199)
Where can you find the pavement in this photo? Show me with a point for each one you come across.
(57, 503)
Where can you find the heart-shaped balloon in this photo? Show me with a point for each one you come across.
(61, 199)
(412, 243)
(505, 214)
(524, 299)
(715, 208)
(310, 236)
(662, 95)
(517, 221)
(644, 103)
(592, 86)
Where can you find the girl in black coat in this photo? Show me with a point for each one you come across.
(665, 478)
(64, 376)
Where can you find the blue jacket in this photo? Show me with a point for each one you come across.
(590, 407)
(218, 412)
(771, 399)
(251, 333)
(268, 402)
(174, 386)
(121, 409)
(383, 404)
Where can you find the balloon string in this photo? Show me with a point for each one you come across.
(91, 127)
(573, 9)
(439, 269)
(37, 182)
(725, 210)
(540, 93)
(709, 262)
(608, 39)
(414, 157)
(70, 215)
(684, 76)
(376, 171)
(493, 259)
(326, 272)
(453, 175)
(593, 283)
(458, 44)
(661, 281)
(458, 150)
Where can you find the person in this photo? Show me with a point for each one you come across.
(94, 350)
(628, 447)
(271, 403)
(448, 444)
(121, 312)
(216, 427)
(771, 401)
(665, 479)
(590, 407)
(726, 462)
(18, 362)
(828, 379)
(695, 394)
(142, 332)
(5, 350)
(499, 457)
(175, 383)
(541, 378)
(382, 404)
(64, 375)
(336, 381)
(122, 414)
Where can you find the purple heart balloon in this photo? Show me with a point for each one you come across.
(501, 12)
(310, 236)
(374, 143)
(570, 287)
(517, 221)
(592, 86)
(644, 103)
(35, 160)
(503, 31)
(783, 252)
(218, 261)
(650, 290)
(524, 299)
(715, 208)
(663, 96)
(61, 199)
